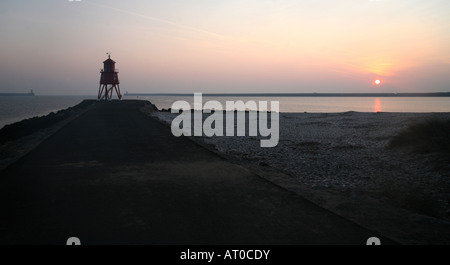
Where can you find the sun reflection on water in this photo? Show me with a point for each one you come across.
(377, 106)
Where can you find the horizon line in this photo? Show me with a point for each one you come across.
(314, 94)
(268, 94)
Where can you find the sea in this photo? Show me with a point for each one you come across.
(17, 108)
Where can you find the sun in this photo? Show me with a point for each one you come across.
(377, 81)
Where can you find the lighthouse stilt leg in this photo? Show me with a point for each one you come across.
(110, 92)
(100, 90)
(118, 91)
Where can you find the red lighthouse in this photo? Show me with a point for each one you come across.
(109, 80)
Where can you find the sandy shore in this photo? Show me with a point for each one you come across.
(341, 162)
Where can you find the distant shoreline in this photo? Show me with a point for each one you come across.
(433, 94)
(29, 94)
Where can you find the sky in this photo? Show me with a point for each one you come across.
(57, 47)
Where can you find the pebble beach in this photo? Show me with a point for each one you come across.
(347, 155)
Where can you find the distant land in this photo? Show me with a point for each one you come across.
(31, 93)
(433, 94)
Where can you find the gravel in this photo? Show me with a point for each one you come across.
(345, 152)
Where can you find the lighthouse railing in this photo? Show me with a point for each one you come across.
(115, 70)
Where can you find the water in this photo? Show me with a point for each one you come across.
(13, 109)
(326, 104)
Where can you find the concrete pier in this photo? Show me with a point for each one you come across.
(116, 176)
